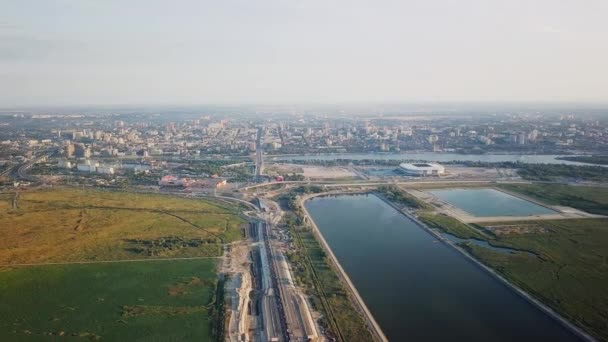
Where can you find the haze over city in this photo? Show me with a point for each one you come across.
(233, 52)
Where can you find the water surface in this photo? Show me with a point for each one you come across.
(417, 288)
(490, 202)
(439, 157)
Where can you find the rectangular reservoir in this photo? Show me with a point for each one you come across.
(490, 202)
(417, 288)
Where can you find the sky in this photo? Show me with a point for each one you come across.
(85, 52)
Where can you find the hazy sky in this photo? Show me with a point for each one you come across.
(258, 51)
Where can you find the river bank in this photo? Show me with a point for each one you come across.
(435, 157)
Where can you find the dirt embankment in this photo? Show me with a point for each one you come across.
(238, 288)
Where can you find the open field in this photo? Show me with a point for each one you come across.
(75, 225)
(137, 301)
(590, 199)
(310, 171)
(570, 272)
(110, 281)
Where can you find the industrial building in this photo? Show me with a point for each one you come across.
(422, 169)
(87, 166)
(171, 180)
(64, 163)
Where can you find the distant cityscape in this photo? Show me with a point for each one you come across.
(142, 147)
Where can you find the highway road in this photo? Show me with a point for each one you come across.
(7, 171)
(19, 172)
(259, 154)
(335, 184)
(380, 182)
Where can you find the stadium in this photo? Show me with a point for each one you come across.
(422, 169)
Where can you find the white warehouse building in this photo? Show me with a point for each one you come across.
(422, 169)
(107, 170)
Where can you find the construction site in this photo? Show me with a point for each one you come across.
(265, 304)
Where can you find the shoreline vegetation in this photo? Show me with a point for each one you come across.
(450, 226)
(594, 159)
(396, 195)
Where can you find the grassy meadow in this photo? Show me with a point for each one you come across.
(570, 272)
(590, 199)
(450, 225)
(127, 301)
(75, 225)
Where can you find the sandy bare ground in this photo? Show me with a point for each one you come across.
(238, 288)
(560, 216)
(319, 172)
(313, 171)
(462, 172)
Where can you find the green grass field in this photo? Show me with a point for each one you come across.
(570, 273)
(590, 199)
(131, 301)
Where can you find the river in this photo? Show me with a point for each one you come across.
(419, 289)
(437, 157)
